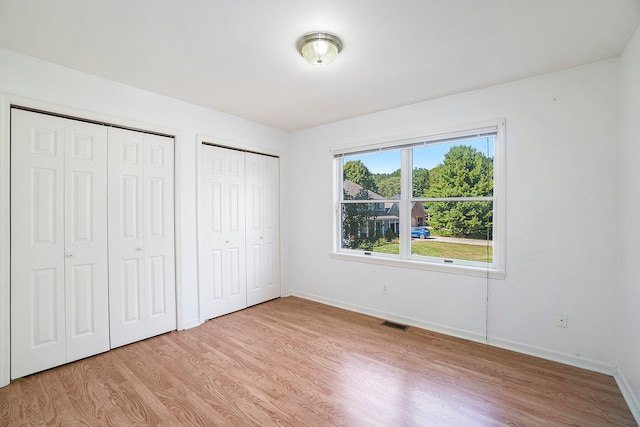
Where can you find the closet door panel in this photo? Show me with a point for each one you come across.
(235, 274)
(58, 241)
(37, 243)
(255, 225)
(234, 234)
(221, 235)
(272, 228)
(131, 289)
(212, 239)
(263, 231)
(212, 254)
(86, 273)
(159, 234)
(141, 236)
(157, 268)
(255, 278)
(126, 258)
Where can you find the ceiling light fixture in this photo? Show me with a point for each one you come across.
(319, 48)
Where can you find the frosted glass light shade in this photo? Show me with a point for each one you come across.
(319, 48)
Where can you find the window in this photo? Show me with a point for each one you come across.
(432, 202)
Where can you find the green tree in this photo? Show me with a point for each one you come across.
(358, 222)
(356, 171)
(420, 181)
(465, 172)
(388, 184)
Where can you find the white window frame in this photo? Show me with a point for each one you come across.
(494, 269)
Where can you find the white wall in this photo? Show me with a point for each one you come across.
(628, 304)
(561, 154)
(23, 77)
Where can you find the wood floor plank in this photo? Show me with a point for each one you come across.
(293, 362)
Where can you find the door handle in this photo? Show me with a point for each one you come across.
(69, 255)
(138, 249)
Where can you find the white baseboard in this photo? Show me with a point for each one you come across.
(628, 394)
(554, 356)
(458, 333)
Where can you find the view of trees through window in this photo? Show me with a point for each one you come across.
(451, 200)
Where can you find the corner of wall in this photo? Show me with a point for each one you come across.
(5, 342)
(628, 394)
(627, 284)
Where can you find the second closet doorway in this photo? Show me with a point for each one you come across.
(238, 229)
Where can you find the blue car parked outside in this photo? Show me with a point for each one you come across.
(420, 232)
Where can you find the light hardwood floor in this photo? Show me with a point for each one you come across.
(293, 362)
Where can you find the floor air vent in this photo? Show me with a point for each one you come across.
(395, 325)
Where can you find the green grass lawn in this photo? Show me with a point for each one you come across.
(442, 250)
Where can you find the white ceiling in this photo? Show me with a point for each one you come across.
(239, 56)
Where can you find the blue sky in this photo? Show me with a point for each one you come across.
(423, 157)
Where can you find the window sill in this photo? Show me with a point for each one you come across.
(420, 265)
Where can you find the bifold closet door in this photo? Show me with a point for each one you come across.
(262, 227)
(59, 286)
(221, 232)
(238, 230)
(141, 236)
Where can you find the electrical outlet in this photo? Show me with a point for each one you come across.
(562, 321)
(385, 289)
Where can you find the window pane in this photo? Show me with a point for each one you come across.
(372, 176)
(455, 169)
(369, 227)
(455, 230)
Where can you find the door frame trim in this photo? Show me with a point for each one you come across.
(7, 101)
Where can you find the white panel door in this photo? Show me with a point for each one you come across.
(58, 241)
(158, 234)
(126, 263)
(221, 232)
(141, 236)
(37, 243)
(86, 271)
(262, 227)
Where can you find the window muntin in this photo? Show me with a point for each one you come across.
(447, 186)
